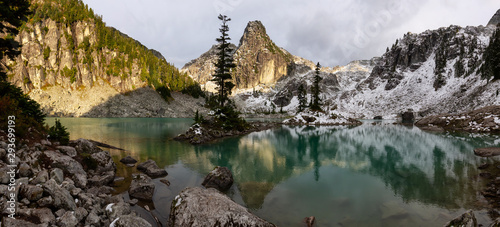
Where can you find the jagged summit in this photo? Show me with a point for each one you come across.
(253, 30)
(259, 61)
(495, 20)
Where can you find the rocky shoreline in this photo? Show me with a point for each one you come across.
(60, 185)
(485, 119)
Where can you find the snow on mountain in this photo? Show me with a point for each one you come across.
(434, 72)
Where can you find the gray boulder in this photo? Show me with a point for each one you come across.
(70, 166)
(57, 175)
(487, 151)
(67, 150)
(102, 179)
(141, 187)
(150, 168)
(115, 210)
(96, 158)
(209, 207)
(220, 178)
(6, 221)
(465, 220)
(61, 197)
(130, 221)
(41, 177)
(128, 160)
(30, 192)
(25, 170)
(68, 219)
(38, 215)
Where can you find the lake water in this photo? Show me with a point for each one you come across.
(370, 175)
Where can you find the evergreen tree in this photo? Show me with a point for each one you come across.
(224, 63)
(302, 98)
(12, 15)
(491, 56)
(315, 90)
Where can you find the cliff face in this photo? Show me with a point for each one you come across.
(48, 59)
(258, 61)
(73, 64)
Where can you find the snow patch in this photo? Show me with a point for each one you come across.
(109, 207)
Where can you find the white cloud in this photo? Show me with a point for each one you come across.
(331, 32)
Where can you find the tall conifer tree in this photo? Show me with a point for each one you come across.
(224, 64)
(315, 90)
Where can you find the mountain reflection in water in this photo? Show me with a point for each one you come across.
(375, 175)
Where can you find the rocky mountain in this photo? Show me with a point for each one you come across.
(437, 71)
(72, 63)
(495, 20)
(259, 61)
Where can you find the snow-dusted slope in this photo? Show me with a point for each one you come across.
(434, 72)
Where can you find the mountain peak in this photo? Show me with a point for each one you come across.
(254, 29)
(495, 20)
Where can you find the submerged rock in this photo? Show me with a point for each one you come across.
(209, 207)
(142, 187)
(220, 178)
(150, 168)
(487, 151)
(128, 160)
(466, 220)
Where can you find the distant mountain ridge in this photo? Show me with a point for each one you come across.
(437, 71)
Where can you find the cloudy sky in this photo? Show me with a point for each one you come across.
(333, 32)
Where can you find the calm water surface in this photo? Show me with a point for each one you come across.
(370, 175)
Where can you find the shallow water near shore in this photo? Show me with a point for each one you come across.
(370, 175)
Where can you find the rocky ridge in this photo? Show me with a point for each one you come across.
(437, 71)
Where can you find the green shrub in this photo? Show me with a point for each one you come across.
(194, 91)
(59, 133)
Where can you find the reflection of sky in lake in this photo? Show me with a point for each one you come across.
(382, 175)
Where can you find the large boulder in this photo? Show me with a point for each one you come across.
(98, 163)
(150, 168)
(61, 197)
(487, 151)
(141, 187)
(466, 220)
(69, 165)
(128, 160)
(220, 178)
(209, 207)
(130, 221)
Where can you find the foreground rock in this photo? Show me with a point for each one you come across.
(466, 220)
(320, 118)
(202, 134)
(209, 207)
(62, 185)
(220, 178)
(487, 151)
(128, 160)
(486, 119)
(150, 168)
(142, 187)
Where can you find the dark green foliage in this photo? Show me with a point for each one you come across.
(70, 73)
(46, 53)
(59, 133)
(491, 57)
(302, 95)
(228, 118)
(26, 111)
(164, 92)
(224, 63)
(193, 90)
(198, 118)
(12, 15)
(315, 90)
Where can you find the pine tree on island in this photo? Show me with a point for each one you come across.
(315, 104)
(225, 114)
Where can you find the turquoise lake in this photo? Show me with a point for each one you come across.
(376, 174)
